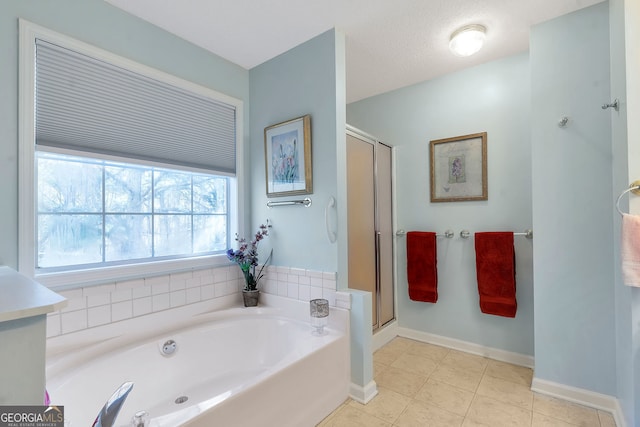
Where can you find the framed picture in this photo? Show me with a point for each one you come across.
(287, 155)
(459, 168)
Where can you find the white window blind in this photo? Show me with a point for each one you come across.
(86, 104)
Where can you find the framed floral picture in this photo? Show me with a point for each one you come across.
(459, 168)
(287, 148)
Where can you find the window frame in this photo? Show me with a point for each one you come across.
(27, 169)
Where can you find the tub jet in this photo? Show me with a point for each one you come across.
(181, 399)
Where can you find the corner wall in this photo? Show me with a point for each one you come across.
(303, 80)
(625, 85)
(572, 202)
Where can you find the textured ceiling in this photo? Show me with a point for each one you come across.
(390, 43)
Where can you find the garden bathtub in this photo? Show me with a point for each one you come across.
(235, 367)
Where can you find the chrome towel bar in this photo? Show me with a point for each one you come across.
(465, 234)
(448, 233)
(306, 202)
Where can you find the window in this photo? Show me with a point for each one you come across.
(125, 171)
(95, 212)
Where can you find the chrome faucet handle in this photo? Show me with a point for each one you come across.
(109, 413)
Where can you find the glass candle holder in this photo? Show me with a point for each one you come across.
(319, 311)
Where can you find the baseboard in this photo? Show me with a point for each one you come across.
(468, 347)
(383, 335)
(581, 397)
(363, 394)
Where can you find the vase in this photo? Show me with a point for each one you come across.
(250, 297)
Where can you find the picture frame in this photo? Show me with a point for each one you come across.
(287, 154)
(458, 168)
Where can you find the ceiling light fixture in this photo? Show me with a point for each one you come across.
(467, 40)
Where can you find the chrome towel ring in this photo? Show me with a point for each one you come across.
(634, 188)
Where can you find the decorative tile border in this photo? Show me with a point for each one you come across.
(99, 305)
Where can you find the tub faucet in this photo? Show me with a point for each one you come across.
(109, 412)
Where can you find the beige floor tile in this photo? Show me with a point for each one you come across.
(565, 411)
(431, 351)
(419, 414)
(415, 364)
(509, 372)
(468, 422)
(540, 420)
(349, 416)
(458, 377)
(403, 382)
(606, 419)
(399, 344)
(491, 412)
(378, 368)
(387, 405)
(387, 355)
(333, 414)
(467, 361)
(422, 384)
(445, 396)
(506, 391)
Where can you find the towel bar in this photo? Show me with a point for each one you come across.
(306, 202)
(465, 234)
(448, 233)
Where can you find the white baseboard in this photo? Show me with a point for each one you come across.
(363, 394)
(581, 397)
(468, 347)
(383, 335)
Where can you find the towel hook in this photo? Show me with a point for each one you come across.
(563, 121)
(615, 105)
(634, 187)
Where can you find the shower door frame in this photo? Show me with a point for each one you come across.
(375, 142)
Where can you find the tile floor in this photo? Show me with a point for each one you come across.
(424, 385)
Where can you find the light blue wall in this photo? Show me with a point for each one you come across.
(572, 202)
(627, 306)
(493, 97)
(98, 23)
(304, 80)
(624, 354)
(109, 28)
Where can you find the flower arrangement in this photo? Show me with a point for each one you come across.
(246, 256)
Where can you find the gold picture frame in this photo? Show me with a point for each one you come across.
(459, 168)
(287, 155)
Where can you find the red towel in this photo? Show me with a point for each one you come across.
(496, 272)
(422, 274)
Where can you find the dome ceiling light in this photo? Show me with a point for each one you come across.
(467, 40)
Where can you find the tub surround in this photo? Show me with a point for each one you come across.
(23, 308)
(99, 305)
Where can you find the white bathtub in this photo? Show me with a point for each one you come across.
(237, 367)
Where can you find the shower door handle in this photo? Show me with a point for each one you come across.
(378, 284)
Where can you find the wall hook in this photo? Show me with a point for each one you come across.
(615, 105)
(563, 121)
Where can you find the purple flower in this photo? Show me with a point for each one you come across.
(246, 256)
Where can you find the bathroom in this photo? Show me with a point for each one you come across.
(578, 321)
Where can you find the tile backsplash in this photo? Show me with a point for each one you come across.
(101, 304)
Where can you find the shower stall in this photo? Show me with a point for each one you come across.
(370, 219)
